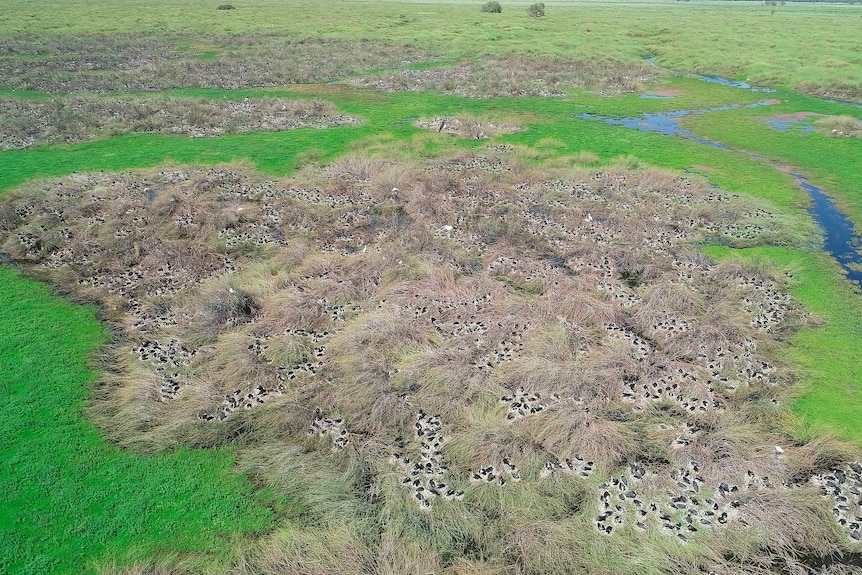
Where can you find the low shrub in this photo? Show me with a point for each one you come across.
(226, 7)
(536, 10)
(492, 7)
(231, 307)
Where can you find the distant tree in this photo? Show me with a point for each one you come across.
(493, 6)
(536, 10)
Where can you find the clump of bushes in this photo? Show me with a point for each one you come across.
(492, 7)
(536, 10)
(226, 7)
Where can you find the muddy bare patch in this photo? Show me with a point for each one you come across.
(662, 93)
(796, 122)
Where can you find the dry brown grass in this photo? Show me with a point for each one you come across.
(142, 63)
(467, 128)
(325, 551)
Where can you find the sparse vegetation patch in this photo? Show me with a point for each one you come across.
(24, 124)
(839, 126)
(490, 76)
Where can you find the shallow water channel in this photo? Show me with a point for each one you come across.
(840, 241)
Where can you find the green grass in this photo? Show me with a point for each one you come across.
(69, 499)
(826, 356)
(831, 163)
(271, 153)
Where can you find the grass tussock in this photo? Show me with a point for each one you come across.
(839, 126)
(323, 551)
(467, 128)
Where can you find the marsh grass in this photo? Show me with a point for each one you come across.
(688, 38)
(489, 76)
(106, 508)
(472, 280)
(521, 261)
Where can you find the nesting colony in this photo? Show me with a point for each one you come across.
(548, 330)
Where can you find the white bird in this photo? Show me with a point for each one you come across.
(589, 217)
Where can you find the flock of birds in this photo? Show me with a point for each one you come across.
(166, 359)
(322, 426)
(424, 475)
(843, 487)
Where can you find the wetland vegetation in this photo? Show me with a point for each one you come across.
(367, 287)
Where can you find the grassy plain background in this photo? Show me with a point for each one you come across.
(805, 46)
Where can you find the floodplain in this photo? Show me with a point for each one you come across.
(368, 287)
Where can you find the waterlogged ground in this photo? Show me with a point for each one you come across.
(559, 345)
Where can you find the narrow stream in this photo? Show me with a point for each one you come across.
(732, 83)
(667, 123)
(840, 241)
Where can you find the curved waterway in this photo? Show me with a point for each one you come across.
(732, 83)
(839, 239)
